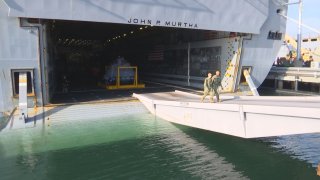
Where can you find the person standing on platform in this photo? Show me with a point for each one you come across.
(207, 87)
(216, 82)
(308, 63)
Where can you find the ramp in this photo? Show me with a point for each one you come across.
(75, 113)
(246, 117)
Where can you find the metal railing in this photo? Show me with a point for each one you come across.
(296, 71)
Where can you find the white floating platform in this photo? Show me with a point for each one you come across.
(245, 116)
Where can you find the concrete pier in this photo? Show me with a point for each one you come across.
(280, 84)
(294, 75)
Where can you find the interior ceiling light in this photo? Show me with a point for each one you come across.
(124, 35)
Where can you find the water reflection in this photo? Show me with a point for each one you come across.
(255, 158)
(142, 147)
(199, 160)
(305, 147)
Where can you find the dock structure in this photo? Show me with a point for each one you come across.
(296, 75)
(246, 117)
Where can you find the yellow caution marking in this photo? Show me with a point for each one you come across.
(130, 86)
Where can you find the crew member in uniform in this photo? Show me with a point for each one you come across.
(216, 82)
(207, 87)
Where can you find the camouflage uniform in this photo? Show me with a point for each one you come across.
(216, 82)
(207, 89)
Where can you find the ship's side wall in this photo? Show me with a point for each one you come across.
(260, 52)
(19, 46)
(18, 50)
(226, 15)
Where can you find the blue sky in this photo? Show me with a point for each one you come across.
(310, 17)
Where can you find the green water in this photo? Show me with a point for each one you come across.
(142, 147)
